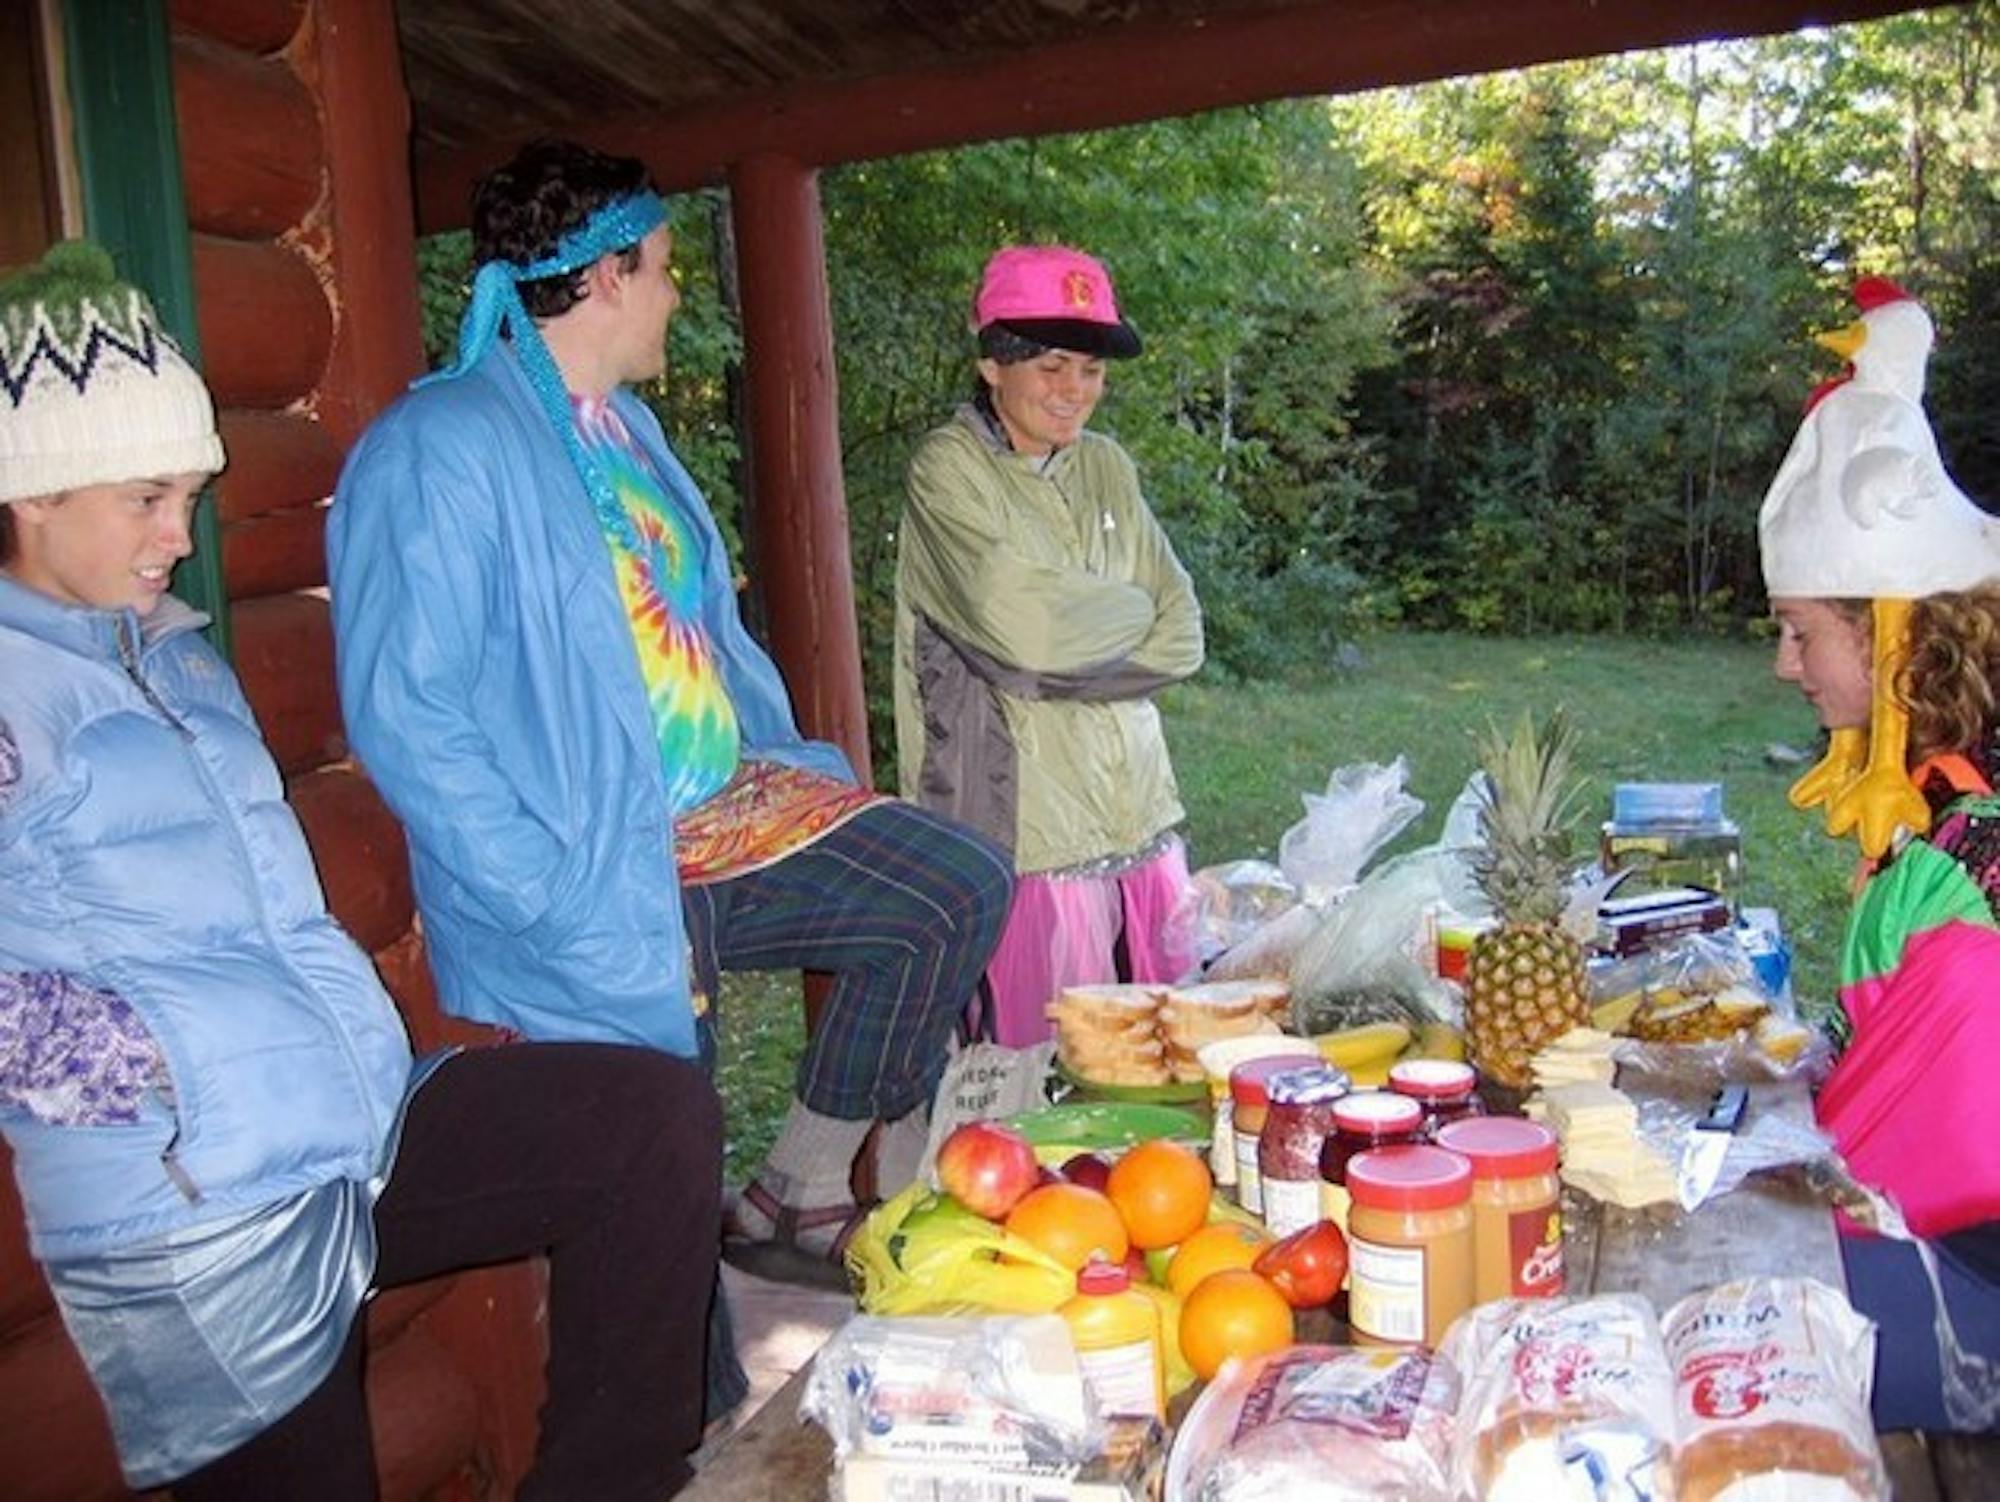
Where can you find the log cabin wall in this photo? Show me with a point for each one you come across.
(305, 280)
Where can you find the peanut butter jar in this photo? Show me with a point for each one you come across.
(1409, 1243)
(1517, 1233)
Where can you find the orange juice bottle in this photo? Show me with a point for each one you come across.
(1117, 1335)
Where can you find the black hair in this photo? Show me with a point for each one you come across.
(521, 211)
(1003, 346)
(7, 543)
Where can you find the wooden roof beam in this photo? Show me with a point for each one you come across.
(1141, 72)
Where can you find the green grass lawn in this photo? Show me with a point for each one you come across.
(1648, 711)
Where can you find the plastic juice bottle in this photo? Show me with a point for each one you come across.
(1117, 1335)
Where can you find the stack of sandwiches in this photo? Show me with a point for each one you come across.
(1150, 1035)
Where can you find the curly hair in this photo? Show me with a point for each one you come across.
(521, 210)
(1947, 681)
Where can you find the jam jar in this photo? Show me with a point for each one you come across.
(1447, 1091)
(1298, 1117)
(1250, 1100)
(1365, 1120)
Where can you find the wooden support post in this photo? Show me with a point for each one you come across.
(797, 522)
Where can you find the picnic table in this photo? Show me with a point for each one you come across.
(1768, 1226)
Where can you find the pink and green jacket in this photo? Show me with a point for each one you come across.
(1914, 1102)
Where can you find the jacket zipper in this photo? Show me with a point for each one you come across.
(170, 1158)
(128, 657)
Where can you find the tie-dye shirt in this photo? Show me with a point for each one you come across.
(660, 584)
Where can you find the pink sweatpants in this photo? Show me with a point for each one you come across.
(1061, 931)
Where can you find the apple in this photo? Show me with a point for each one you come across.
(1307, 1267)
(1088, 1170)
(987, 1167)
(1135, 1267)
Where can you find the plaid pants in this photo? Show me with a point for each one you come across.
(904, 907)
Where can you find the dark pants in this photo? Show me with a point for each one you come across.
(609, 1160)
(904, 907)
(1886, 1281)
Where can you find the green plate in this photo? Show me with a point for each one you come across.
(1146, 1094)
(1106, 1123)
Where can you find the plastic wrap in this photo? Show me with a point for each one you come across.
(1363, 808)
(1361, 965)
(1001, 1391)
(1566, 1400)
(1319, 1424)
(1230, 902)
(1771, 1379)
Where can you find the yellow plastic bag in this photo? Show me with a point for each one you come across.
(924, 1253)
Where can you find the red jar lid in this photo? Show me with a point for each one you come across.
(1409, 1178)
(1432, 1079)
(1250, 1081)
(1501, 1147)
(1372, 1111)
(1099, 1276)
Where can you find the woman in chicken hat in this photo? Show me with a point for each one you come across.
(1039, 606)
(1885, 580)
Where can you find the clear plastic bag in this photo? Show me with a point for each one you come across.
(1363, 808)
(1319, 1424)
(1000, 1391)
(1706, 1015)
(1771, 1380)
(1566, 1400)
(1230, 902)
(1360, 964)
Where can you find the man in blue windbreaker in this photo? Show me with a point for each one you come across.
(544, 669)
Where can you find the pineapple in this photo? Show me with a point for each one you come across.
(1524, 980)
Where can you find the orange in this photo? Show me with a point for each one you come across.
(1161, 1190)
(1232, 1313)
(1213, 1248)
(1071, 1223)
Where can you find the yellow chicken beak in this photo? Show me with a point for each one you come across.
(1844, 342)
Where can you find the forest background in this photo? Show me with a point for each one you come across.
(1510, 354)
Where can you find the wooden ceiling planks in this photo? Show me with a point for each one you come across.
(694, 85)
(483, 67)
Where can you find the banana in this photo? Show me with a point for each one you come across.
(1361, 1048)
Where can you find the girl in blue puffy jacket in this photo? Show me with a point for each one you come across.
(222, 1143)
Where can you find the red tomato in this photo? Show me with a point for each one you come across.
(1308, 1266)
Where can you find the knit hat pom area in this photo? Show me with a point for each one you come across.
(92, 390)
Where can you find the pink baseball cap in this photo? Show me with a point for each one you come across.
(1054, 296)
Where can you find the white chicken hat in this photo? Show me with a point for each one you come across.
(1862, 507)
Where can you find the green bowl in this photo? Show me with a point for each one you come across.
(1095, 1124)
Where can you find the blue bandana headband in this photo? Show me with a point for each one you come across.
(496, 301)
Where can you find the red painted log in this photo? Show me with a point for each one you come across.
(254, 25)
(798, 509)
(355, 66)
(358, 846)
(424, 1413)
(271, 554)
(24, 1297)
(284, 655)
(278, 461)
(1119, 75)
(250, 141)
(265, 324)
(53, 1433)
(496, 1320)
(392, 1310)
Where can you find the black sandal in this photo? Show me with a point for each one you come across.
(779, 1257)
